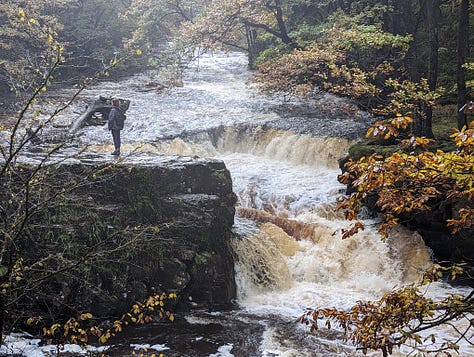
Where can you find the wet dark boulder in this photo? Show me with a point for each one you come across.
(447, 247)
(145, 225)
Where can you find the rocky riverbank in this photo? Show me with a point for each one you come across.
(146, 225)
(447, 247)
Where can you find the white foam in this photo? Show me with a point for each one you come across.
(146, 346)
(223, 351)
(23, 344)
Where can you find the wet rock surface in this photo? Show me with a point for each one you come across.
(448, 248)
(200, 334)
(171, 217)
(329, 116)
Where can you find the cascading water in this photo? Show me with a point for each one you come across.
(283, 161)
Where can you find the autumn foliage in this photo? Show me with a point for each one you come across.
(400, 317)
(414, 178)
(80, 330)
(341, 59)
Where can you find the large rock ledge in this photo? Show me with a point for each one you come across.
(174, 216)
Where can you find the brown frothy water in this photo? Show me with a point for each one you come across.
(298, 230)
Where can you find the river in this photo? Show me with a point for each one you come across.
(283, 158)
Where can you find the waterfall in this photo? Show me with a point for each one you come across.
(289, 250)
(284, 167)
(285, 146)
(287, 188)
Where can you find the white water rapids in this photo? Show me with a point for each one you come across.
(286, 180)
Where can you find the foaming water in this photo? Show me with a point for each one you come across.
(332, 272)
(207, 99)
(290, 254)
(285, 146)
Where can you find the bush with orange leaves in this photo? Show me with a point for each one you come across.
(404, 183)
(404, 316)
(79, 330)
(411, 180)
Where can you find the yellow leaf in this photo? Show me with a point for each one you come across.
(86, 316)
(369, 132)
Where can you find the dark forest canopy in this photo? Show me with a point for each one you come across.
(89, 35)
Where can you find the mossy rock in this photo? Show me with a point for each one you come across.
(366, 148)
(160, 226)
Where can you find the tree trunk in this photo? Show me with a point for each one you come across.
(281, 23)
(408, 17)
(102, 106)
(433, 15)
(2, 310)
(282, 32)
(463, 52)
(251, 35)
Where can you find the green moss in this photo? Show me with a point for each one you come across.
(367, 148)
(223, 177)
(444, 124)
(202, 258)
(144, 207)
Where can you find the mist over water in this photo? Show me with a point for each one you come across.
(283, 163)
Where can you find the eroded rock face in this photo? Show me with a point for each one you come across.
(164, 224)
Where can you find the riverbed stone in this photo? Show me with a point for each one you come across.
(173, 214)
